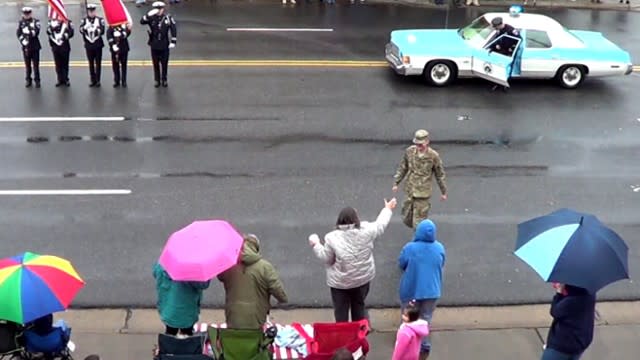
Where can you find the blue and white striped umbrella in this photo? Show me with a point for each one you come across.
(573, 248)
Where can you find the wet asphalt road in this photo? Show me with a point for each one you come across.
(280, 150)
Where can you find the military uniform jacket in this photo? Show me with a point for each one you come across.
(59, 37)
(119, 36)
(159, 29)
(419, 169)
(30, 40)
(92, 30)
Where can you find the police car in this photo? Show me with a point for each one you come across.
(547, 50)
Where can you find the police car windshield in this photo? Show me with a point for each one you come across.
(478, 30)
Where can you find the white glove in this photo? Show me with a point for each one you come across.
(314, 239)
(153, 12)
(172, 45)
(25, 42)
(115, 48)
(116, 34)
(25, 30)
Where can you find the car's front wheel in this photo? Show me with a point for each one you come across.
(440, 73)
(571, 76)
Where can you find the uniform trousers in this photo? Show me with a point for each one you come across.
(32, 64)
(95, 64)
(160, 59)
(414, 210)
(61, 59)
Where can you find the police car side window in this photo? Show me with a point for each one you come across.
(537, 39)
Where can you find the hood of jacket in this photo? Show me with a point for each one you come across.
(426, 231)
(251, 250)
(420, 327)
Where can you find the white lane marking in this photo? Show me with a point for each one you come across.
(282, 29)
(66, 192)
(61, 119)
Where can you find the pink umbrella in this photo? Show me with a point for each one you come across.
(201, 251)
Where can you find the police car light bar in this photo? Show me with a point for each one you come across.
(516, 10)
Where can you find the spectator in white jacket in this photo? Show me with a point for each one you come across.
(348, 255)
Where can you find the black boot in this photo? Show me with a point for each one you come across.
(37, 84)
(157, 85)
(124, 84)
(165, 83)
(28, 83)
(116, 84)
(97, 84)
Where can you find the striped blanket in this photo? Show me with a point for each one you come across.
(278, 352)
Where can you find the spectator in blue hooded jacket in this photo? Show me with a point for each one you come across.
(422, 262)
(573, 310)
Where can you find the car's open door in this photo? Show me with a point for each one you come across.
(494, 66)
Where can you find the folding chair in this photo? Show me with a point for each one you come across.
(52, 345)
(10, 347)
(329, 337)
(241, 344)
(174, 348)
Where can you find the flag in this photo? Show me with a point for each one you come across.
(115, 12)
(57, 11)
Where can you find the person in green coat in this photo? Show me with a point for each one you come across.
(249, 286)
(178, 302)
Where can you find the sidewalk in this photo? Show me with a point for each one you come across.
(494, 333)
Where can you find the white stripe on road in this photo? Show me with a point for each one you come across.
(61, 119)
(66, 192)
(282, 29)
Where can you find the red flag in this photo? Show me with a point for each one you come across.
(115, 12)
(57, 11)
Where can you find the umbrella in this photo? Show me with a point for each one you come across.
(201, 251)
(573, 248)
(32, 286)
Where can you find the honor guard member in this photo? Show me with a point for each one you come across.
(118, 38)
(59, 34)
(418, 166)
(28, 33)
(92, 28)
(160, 26)
(506, 45)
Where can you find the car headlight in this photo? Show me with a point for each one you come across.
(406, 60)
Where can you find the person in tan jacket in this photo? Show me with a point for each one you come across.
(249, 286)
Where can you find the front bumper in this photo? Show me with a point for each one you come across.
(629, 69)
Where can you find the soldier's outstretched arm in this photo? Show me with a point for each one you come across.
(441, 176)
(402, 170)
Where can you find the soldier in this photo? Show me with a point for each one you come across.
(160, 25)
(28, 32)
(118, 38)
(59, 34)
(92, 27)
(418, 166)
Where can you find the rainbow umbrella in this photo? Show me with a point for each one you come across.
(32, 286)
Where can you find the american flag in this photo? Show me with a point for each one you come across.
(57, 11)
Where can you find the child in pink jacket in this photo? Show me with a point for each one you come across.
(410, 334)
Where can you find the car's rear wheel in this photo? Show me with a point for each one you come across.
(571, 76)
(440, 73)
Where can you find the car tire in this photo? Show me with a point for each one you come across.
(571, 76)
(440, 73)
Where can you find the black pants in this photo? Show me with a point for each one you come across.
(174, 331)
(61, 59)
(119, 64)
(160, 60)
(32, 64)
(346, 299)
(95, 64)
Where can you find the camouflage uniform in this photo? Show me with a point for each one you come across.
(418, 168)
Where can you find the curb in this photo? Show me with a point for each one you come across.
(146, 321)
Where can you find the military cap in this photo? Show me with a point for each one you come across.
(91, 7)
(421, 137)
(158, 5)
(26, 10)
(497, 21)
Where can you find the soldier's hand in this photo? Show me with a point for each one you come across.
(153, 12)
(443, 197)
(394, 188)
(314, 239)
(25, 30)
(172, 45)
(390, 204)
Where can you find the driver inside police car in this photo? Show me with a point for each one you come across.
(507, 44)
